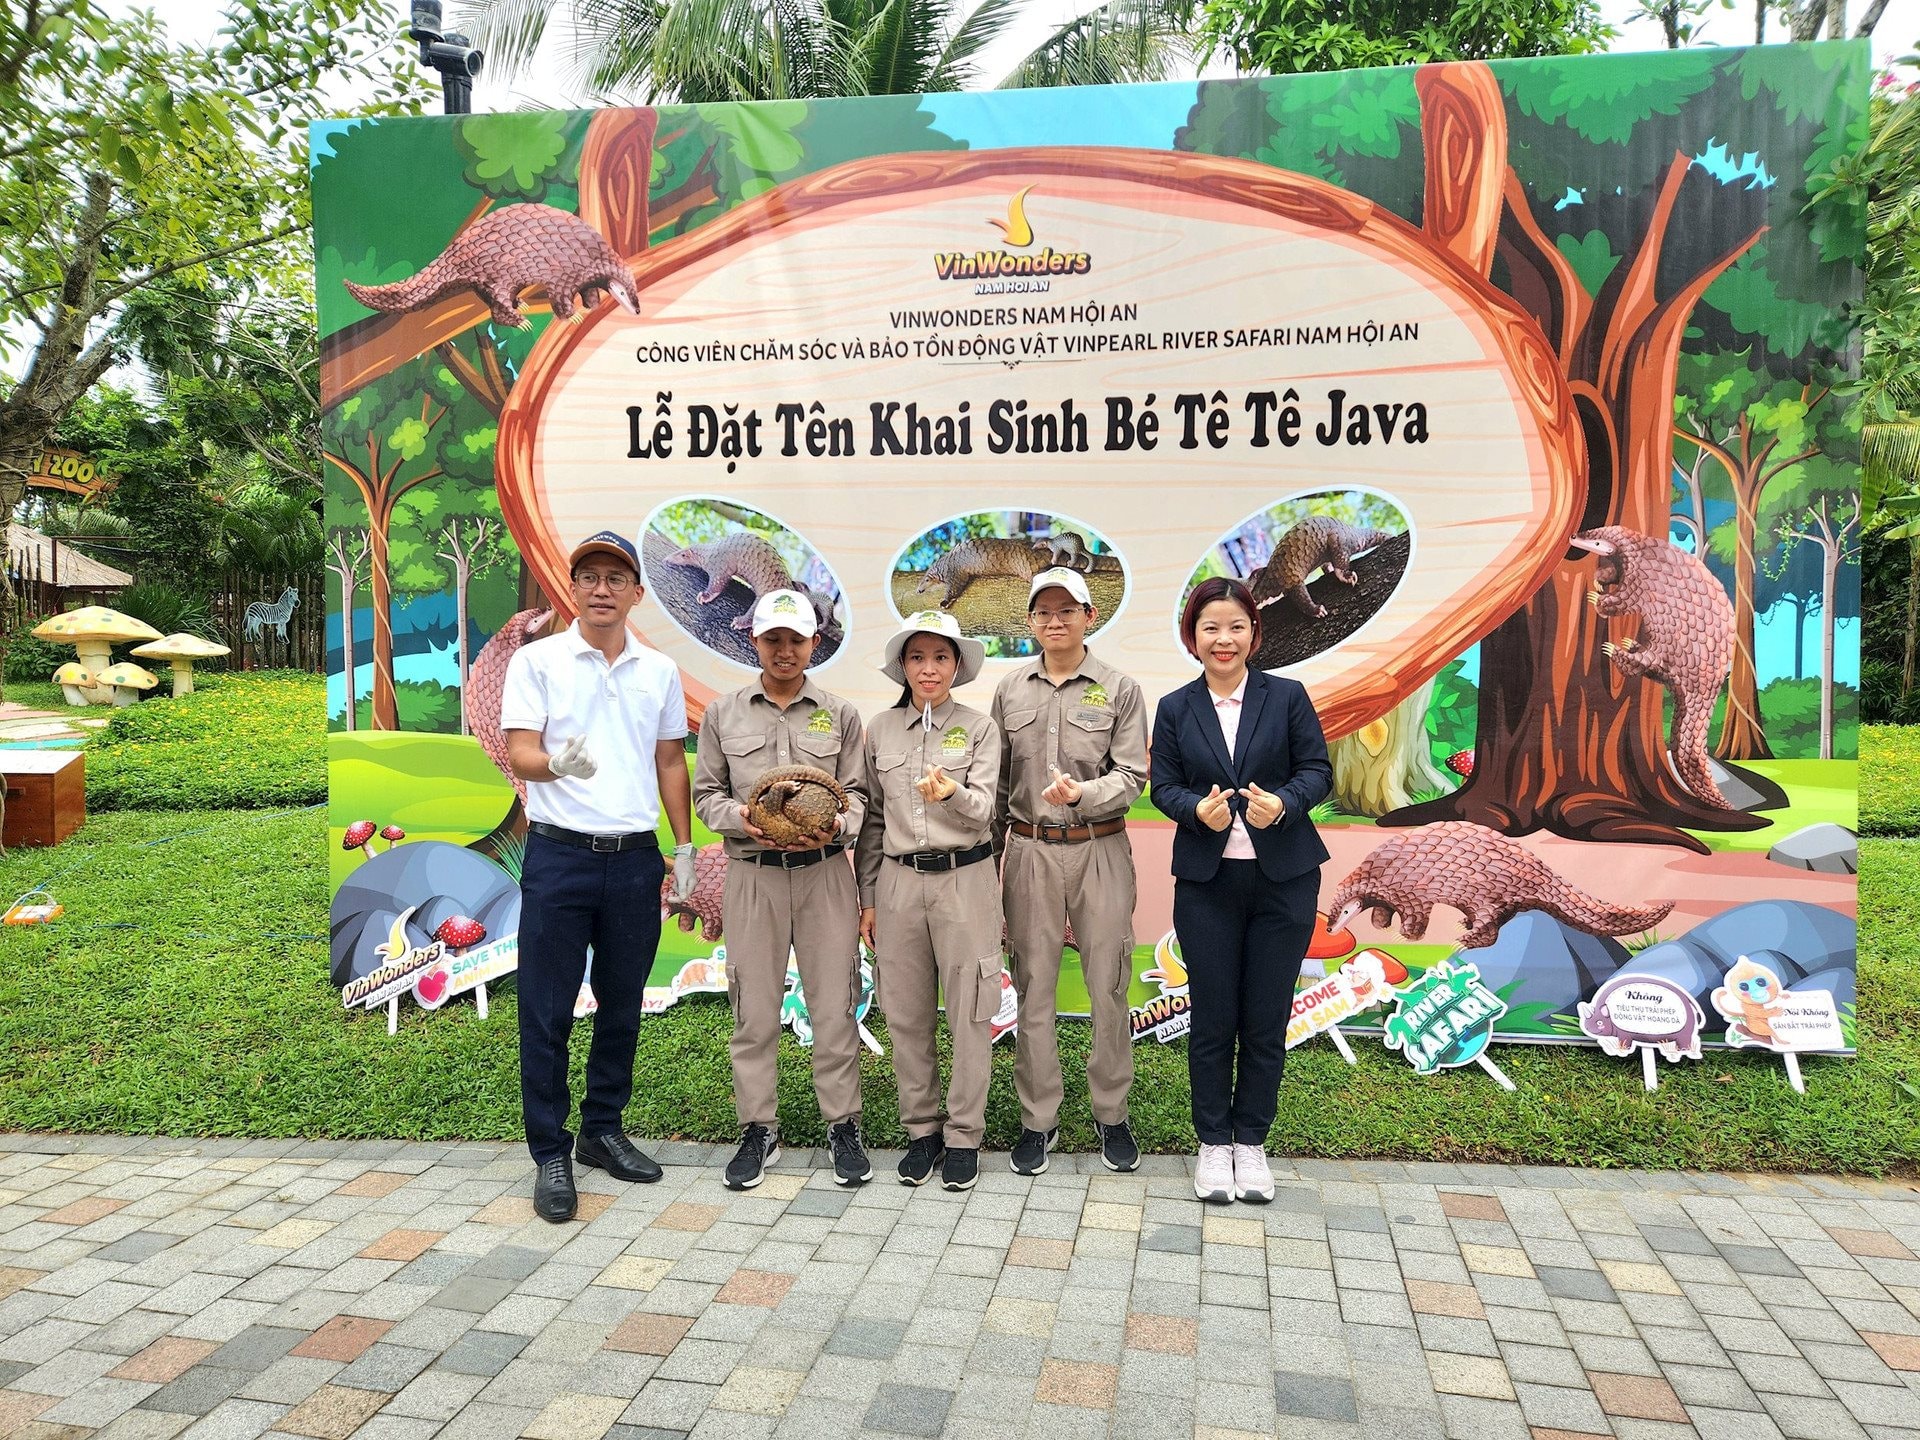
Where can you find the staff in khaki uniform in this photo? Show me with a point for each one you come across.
(1075, 759)
(930, 900)
(797, 899)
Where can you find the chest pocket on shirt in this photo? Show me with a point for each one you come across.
(1025, 738)
(820, 749)
(1088, 734)
(746, 759)
(894, 778)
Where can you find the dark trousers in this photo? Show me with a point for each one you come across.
(1242, 938)
(571, 899)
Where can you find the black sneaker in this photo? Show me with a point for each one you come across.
(916, 1166)
(850, 1163)
(961, 1170)
(1117, 1148)
(1030, 1154)
(759, 1148)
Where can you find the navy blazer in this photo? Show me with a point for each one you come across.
(1279, 747)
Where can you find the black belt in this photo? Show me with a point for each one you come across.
(933, 862)
(794, 859)
(602, 844)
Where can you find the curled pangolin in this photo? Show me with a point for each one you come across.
(1316, 542)
(793, 804)
(1482, 874)
(509, 250)
(973, 560)
(1686, 635)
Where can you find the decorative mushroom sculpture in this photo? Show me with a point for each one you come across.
(393, 835)
(460, 932)
(359, 836)
(181, 650)
(127, 680)
(93, 631)
(73, 680)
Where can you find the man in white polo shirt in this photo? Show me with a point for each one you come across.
(596, 725)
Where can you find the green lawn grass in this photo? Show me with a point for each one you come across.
(1890, 780)
(185, 992)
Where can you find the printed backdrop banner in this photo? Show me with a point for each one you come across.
(1509, 388)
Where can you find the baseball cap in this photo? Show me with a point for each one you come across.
(606, 542)
(1068, 580)
(784, 610)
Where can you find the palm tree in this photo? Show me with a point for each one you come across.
(716, 50)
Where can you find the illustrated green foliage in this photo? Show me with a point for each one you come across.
(425, 706)
(518, 155)
(1452, 712)
(1603, 97)
(1591, 256)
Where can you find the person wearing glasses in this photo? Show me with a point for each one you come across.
(797, 899)
(1239, 761)
(596, 724)
(930, 901)
(1075, 759)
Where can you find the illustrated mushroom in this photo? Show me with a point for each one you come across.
(459, 932)
(93, 631)
(127, 680)
(73, 679)
(181, 650)
(359, 836)
(393, 835)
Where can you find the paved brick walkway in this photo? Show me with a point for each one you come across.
(226, 1289)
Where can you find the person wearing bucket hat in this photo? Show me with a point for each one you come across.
(930, 901)
(1075, 759)
(780, 900)
(596, 724)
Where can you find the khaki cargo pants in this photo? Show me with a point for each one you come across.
(940, 933)
(1092, 884)
(814, 912)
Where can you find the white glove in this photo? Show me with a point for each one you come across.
(683, 873)
(572, 760)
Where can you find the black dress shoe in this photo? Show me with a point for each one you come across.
(554, 1198)
(618, 1156)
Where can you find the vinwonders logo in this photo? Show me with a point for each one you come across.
(993, 264)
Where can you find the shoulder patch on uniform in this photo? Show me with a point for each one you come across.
(954, 740)
(820, 722)
(1096, 696)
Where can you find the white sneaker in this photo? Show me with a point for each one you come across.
(1252, 1179)
(1213, 1174)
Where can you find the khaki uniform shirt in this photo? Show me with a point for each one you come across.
(1092, 725)
(745, 734)
(965, 744)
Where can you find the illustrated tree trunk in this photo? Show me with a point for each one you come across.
(1743, 735)
(1385, 764)
(1829, 575)
(1562, 743)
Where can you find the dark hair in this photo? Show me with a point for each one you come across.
(906, 700)
(1220, 587)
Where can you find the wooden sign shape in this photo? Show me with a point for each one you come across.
(1761, 1013)
(1644, 1013)
(1276, 336)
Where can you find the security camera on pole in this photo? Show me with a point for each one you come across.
(452, 55)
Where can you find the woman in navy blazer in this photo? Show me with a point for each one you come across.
(1238, 762)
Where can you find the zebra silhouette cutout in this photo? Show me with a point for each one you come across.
(261, 614)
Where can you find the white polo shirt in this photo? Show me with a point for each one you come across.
(563, 686)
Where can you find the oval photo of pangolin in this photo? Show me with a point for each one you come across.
(980, 566)
(709, 559)
(1320, 566)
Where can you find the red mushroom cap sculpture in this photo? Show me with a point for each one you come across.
(459, 932)
(359, 836)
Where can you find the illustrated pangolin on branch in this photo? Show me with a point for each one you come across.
(792, 804)
(487, 686)
(709, 888)
(1319, 541)
(1485, 876)
(512, 249)
(973, 560)
(1686, 635)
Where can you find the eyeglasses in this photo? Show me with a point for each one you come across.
(1049, 617)
(593, 580)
